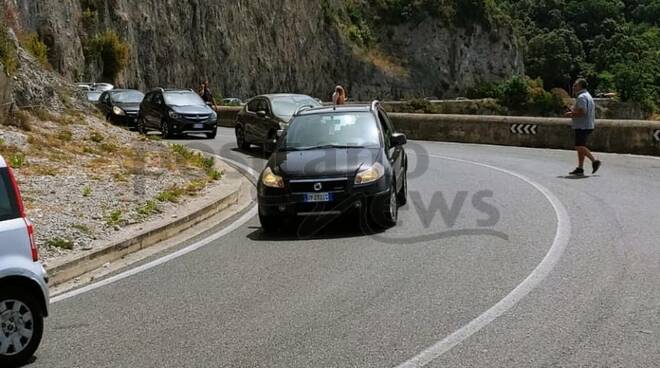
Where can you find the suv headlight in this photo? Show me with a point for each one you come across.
(271, 180)
(370, 175)
(118, 111)
(173, 115)
(214, 116)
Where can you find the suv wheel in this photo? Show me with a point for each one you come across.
(402, 196)
(21, 327)
(240, 138)
(387, 213)
(269, 224)
(165, 129)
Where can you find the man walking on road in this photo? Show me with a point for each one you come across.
(583, 114)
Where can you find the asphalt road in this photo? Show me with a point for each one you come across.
(340, 298)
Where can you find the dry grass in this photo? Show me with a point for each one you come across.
(383, 62)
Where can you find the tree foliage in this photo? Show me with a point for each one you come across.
(613, 43)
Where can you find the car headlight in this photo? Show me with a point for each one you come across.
(271, 180)
(370, 175)
(174, 115)
(214, 116)
(118, 111)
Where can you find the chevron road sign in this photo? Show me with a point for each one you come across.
(528, 129)
(656, 135)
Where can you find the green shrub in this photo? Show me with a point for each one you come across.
(111, 51)
(60, 243)
(8, 55)
(37, 48)
(515, 93)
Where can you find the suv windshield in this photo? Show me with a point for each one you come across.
(183, 99)
(285, 107)
(342, 130)
(8, 205)
(128, 97)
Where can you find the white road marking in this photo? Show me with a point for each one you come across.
(541, 271)
(191, 248)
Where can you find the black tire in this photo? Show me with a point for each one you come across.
(402, 196)
(270, 224)
(165, 129)
(31, 306)
(387, 212)
(240, 138)
(140, 126)
(212, 135)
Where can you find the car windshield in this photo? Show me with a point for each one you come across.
(93, 96)
(285, 107)
(128, 96)
(183, 99)
(341, 130)
(8, 205)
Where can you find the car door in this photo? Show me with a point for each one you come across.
(155, 110)
(264, 123)
(248, 119)
(396, 155)
(104, 104)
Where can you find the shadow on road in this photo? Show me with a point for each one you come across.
(575, 177)
(318, 229)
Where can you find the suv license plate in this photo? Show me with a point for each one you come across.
(318, 197)
(199, 126)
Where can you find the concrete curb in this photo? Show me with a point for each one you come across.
(66, 270)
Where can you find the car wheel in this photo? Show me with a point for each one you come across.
(240, 138)
(140, 126)
(165, 129)
(269, 224)
(212, 135)
(21, 327)
(402, 196)
(388, 212)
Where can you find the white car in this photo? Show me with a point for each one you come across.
(23, 281)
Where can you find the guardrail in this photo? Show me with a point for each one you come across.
(617, 136)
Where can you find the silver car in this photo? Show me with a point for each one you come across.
(23, 281)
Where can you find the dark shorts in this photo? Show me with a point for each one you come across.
(582, 136)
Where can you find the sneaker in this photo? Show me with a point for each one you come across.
(577, 172)
(596, 165)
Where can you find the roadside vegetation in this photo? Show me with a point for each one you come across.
(614, 44)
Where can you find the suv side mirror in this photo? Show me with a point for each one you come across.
(398, 139)
(261, 114)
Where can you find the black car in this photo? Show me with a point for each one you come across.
(175, 112)
(261, 118)
(121, 105)
(334, 159)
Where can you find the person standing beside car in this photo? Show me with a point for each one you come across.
(583, 115)
(205, 93)
(339, 97)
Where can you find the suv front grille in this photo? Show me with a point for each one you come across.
(196, 117)
(318, 185)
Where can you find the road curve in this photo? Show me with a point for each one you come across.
(470, 235)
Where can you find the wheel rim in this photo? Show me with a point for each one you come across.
(165, 130)
(393, 204)
(16, 327)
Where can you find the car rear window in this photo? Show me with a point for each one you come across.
(8, 204)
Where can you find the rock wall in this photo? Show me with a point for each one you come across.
(5, 95)
(246, 47)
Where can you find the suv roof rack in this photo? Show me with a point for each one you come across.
(302, 108)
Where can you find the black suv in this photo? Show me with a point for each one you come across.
(261, 118)
(176, 111)
(334, 159)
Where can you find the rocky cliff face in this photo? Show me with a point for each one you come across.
(246, 47)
